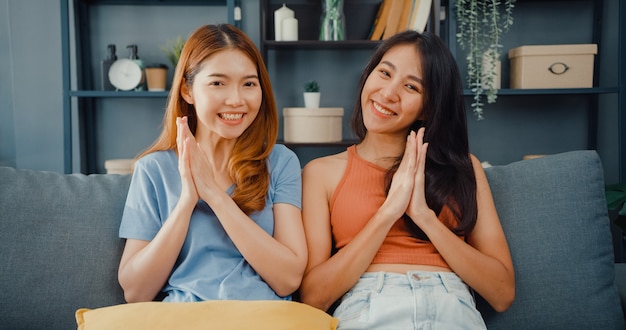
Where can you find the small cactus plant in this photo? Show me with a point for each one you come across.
(311, 87)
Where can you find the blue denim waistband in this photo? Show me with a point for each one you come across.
(414, 279)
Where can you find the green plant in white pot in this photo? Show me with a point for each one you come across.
(480, 26)
(312, 95)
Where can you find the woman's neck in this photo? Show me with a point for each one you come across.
(218, 150)
(381, 149)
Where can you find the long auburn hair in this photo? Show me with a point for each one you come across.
(247, 165)
(450, 179)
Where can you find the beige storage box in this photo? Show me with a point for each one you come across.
(305, 125)
(552, 66)
(119, 166)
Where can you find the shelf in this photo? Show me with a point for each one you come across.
(87, 25)
(317, 44)
(158, 2)
(359, 15)
(553, 91)
(466, 92)
(118, 94)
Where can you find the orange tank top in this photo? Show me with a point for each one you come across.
(359, 194)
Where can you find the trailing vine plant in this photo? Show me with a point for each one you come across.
(481, 24)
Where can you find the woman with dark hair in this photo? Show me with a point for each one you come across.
(401, 225)
(214, 206)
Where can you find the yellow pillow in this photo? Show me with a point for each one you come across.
(217, 314)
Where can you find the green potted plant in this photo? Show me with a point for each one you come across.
(616, 201)
(312, 95)
(480, 25)
(312, 124)
(173, 48)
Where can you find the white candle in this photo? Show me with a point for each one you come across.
(279, 15)
(289, 29)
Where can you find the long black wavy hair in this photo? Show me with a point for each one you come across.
(450, 179)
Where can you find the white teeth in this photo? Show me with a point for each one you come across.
(231, 116)
(381, 110)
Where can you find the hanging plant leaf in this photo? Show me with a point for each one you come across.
(480, 25)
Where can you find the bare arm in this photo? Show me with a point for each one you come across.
(146, 266)
(328, 277)
(280, 259)
(485, 263)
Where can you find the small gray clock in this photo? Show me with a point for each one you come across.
(125, 74)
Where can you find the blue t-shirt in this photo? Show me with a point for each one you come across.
(209, 266)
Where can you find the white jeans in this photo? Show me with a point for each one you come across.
(416, 300)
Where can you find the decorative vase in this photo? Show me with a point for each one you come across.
(312, 100)
(333, 24)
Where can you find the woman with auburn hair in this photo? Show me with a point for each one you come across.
(402, 226)
(213, 208)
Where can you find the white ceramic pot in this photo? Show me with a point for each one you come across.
(312, 100)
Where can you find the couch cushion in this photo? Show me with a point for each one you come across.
(620, 282)
(554, 214)
(60, 248)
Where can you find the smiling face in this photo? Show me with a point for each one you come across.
(226, 94)
(392, 95)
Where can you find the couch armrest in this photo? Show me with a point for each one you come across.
(620, 283)
(60, 245)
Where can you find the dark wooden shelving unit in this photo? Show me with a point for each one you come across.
(358, 30)
(75, 15)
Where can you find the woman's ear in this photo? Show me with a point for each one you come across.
(186, 93)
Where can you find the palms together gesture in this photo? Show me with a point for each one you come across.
(406, 194)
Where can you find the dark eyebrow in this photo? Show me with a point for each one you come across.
(389, 64)
(221, 75)
(393, 67)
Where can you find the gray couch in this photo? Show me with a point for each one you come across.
(60, 250)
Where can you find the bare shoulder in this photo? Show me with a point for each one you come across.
(476, 163)
(474, 159)
(327, 169)
(327, 164)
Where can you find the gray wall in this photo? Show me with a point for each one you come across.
(31, 103)
(7, 127)
(31, 113)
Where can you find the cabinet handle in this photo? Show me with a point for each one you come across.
(558, 68)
